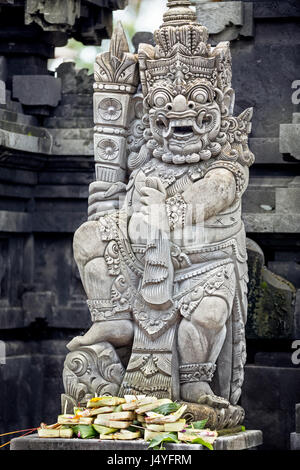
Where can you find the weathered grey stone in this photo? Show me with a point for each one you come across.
(247, 29)
(265, 9)
(240, 441)
(274, 359)
(266, 150)
(289, 270)
(38, 305)
(269, 62)
(225, 21)
(2, 92)
(271, 300)
(295, 441)
(297, 315)
(27, 89)
(66, 72)
(51, 14)
(3, 69)
(73, 141)
(19, 118)
(24, 137)
(217, 16)
(11, 105)
(297, 409)
(142, 37)
(296, 118)
(63, 123)
(19, 376)
(74, 81)
(270, 222)
(289, 138)
(15, 222)
(273, 409)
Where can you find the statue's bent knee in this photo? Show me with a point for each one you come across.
(212, 313)
(87, 244)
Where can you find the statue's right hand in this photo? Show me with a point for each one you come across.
(104, 198)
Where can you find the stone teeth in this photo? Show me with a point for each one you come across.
(182, 123)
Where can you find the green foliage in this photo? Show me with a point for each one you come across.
(198, 424)
(167, 408)
(84, 431)
(201, 441)
(156, 442)
(118, 408)
(103, 429)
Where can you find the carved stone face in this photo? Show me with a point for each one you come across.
(184, 117)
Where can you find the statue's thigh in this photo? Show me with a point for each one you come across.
(211, 313)
(215, 309)
(87, 243)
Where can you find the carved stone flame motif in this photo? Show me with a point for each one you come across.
(163, 255)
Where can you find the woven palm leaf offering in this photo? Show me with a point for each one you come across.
(133, 417)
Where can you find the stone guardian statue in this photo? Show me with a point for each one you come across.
(162, 257)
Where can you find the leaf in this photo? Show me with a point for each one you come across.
(167, 408)
(199, 424)
(198, 440)
(118, 408)
(134, 428)
(166, 437)
(103, 429)
(84, 431)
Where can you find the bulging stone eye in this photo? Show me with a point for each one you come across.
(199, 95)
(160, 99)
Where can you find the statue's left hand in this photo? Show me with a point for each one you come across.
(153, 197)
(153, 192)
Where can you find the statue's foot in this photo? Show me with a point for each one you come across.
(119, 333)
(200, 392)
(94, 335)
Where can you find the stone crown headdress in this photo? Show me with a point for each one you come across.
(182, 42)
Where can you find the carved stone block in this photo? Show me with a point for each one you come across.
(27, 88)
(217, 16)
(289, 137)
(110, 109)
(110, 150)
(109, 174)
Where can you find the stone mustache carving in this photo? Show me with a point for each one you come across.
(163, 256)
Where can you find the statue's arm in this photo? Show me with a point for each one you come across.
(211, 195)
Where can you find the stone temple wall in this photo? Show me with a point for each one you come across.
(46, 165)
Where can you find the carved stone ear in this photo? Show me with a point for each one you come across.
(229, 100)
(145, 52)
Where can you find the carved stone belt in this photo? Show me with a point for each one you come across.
(103, 310)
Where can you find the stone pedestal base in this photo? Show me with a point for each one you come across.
(240, 441)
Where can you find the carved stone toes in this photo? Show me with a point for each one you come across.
(74, 344)
(229, 417)
(214, 401)
(217, 418)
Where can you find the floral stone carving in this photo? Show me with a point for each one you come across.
(162, 257)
